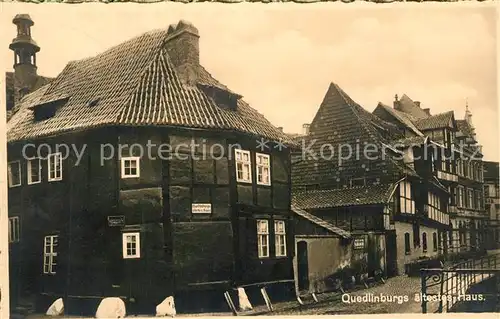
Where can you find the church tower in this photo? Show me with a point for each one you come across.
(25, 49)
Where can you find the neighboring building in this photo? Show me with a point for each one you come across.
(393, 204)
(24, 79)
(458, 164)
(114, 222)
(492, 202)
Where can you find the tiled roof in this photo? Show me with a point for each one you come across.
(316, 199)
(321, 223)
(464, 127)
(402, 117)
(10, 90)
(135, 83)
(407, 105)
(441, 120)
(341, 122)
(410, 141)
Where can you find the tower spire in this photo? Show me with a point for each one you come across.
(468, 113)
(25, 49)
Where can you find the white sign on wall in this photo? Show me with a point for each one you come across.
(201, 208)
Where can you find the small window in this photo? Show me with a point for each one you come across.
(131, 245)
(434, 242)
(424, 242)
(243, 166)
(263, 169)
(407, 243)
(55, 167)
(34, 171)
(14, 173)
(14, 230)
(280, 233)
(359, 243)
(50, 254)
(263, 238)
(130, 167)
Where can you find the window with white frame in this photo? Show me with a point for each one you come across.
(280, 237)
(14, 173)
(470, 198)
(50, 254)
(263, 238)
(130, 167)
(434, 205)
(407, 204)
(34, 171)
(243, 166)
(131, 245)
(54, 163)
(461, 196)
(359, 243)
(263, 169)
(14, 229)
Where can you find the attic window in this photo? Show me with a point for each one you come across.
(93, 102)
(221, 97)
(47, 110)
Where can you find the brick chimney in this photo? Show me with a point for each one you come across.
(396, 104)
(183, 47)
(305, 128)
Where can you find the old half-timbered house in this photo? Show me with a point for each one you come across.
(136, 174)
(458, 166)
(351, 174)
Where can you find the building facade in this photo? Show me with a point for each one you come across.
(492, 202)
(135, 173)
(359, 171)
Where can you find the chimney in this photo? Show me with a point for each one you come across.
(417, 103)
(183, 47)
(305, 128)
(468, 113)
(280, 128)
(427, 110)
(396, 102)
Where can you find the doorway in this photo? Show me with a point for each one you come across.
(302, 266)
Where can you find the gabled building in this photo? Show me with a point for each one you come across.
(458, 165)
(350, 175)
(135, 173)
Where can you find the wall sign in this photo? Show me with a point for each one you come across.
(201, 208)
(116, 221)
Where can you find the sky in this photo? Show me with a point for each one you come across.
(282, 57)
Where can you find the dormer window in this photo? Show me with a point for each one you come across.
(221, 97)
(47, 110)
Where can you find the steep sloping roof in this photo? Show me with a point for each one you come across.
(10, 90)
(135, 83)
(465, 128)
(407, 105)
(404, 118)
(341, 122)
(321, 222)
(367, 195)
(441, 120)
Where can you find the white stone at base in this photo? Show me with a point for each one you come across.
(109, 308)
(166, 308)
(244, 303)
(56, 309)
